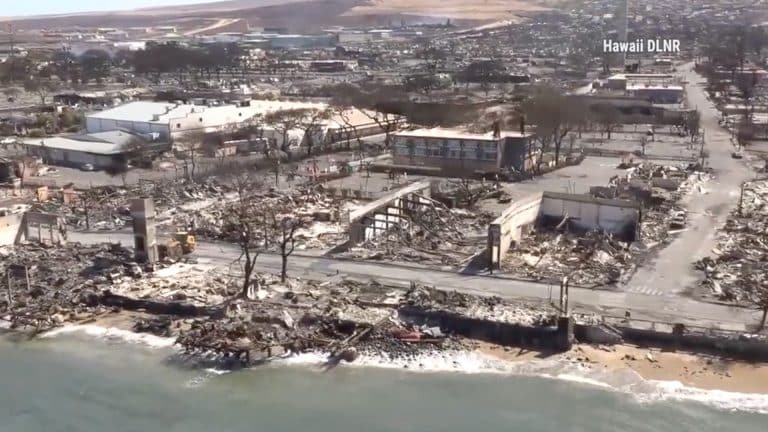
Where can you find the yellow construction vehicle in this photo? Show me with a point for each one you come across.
(170, 249)
(187, 241)
(181, 244)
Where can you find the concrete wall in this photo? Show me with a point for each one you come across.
(659, 95)
(144, 238)
(508, 227)
(588, 216)
(10, 225)
(698, 340)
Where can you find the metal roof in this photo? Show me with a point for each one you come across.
(105, 143)
(460, 134)
(136, 111)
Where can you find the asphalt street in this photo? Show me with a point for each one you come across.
(642, 306)
(671, 272)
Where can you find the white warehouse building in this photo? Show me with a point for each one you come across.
(172, 120)
(163, 121)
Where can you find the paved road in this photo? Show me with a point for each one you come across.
(672, 271)
(676, 309)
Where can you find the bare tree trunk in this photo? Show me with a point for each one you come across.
(762, 321)
(247, 270)
(288, 232)
(194, 163)
(284, 269)
(277, 173)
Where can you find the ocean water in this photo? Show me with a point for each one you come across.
(72, 382)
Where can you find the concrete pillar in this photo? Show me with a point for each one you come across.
(565, 336)
(144, 239)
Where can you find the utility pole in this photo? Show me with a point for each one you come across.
(11, 55)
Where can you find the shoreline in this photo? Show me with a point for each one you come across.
(704, 372)
(642, 372)
(696, 370)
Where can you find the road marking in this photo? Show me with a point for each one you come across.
(647, 291)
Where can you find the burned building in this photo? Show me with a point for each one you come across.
(577, 213)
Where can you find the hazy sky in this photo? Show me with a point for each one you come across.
(45, 7)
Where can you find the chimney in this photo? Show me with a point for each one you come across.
(522, 125)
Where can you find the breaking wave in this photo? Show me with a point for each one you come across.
(113, 334)
(625, 381)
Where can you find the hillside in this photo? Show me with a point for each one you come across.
(296, 14)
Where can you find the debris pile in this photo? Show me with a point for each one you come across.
(465, 193)
(430, 234)
(485, 308)
(738, 271)
(593, 259)
(193, 284)
(319, 215)
(343, 317)
(51, 285)
(99, 208)
(305, 317)
(108, 207)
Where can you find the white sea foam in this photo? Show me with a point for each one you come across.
(724, 400)
(113, 334)
(624, 381)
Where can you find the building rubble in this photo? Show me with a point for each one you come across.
(596, 259)
(432, 235)
(591, 259)
(662, 189)
(107, 207)
(49, 285)
(203, 307)
(347, 318)
(738, 269)
(320, 215)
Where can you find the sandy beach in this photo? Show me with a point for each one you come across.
(694, 370)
